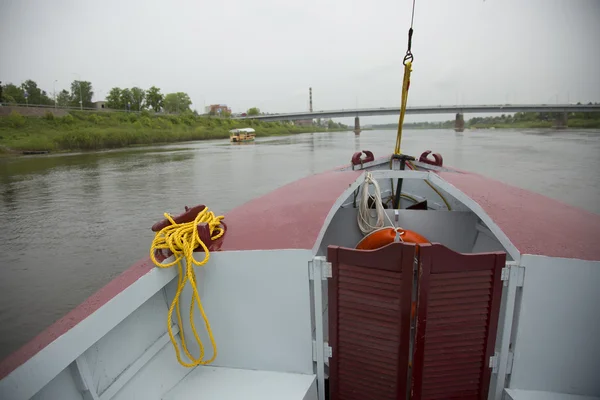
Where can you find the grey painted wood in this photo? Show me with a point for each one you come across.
(513, 394)
(42, 368)
(479, 211)
(85, 379)
(214, 383)
(311, 393)
(258, 305)
(557, 346)
(127, 342)
(317, 270)
(454, 229)
(506, 319)
(155, 379)
(129, 372)
(485, 243)
(62, 387)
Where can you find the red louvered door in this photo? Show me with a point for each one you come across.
(369, 329)
(457, 316)
(457, 305)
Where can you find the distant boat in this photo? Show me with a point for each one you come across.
(242, 135)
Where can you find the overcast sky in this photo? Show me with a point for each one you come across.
(267, 53)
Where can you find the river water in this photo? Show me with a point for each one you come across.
(71, 223)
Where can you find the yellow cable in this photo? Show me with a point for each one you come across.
(439, 194)
(434, 189)
(405, 87)
(409, 198)
(181, 240)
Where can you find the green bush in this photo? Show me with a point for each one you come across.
(188, 119)
(95, 119)
(164, 123)
(146, 121)
(16, 120)
(67, 120)
(191, 117)
(37, 143)
(584, 123)
(122, 117)
(80, 115)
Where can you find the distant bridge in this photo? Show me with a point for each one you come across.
(364, 112)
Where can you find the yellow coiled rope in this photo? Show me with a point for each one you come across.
(181, 240)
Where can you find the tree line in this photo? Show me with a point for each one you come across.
(82, 92)
(29, 92)
(138, 99)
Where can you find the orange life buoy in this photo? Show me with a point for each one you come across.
(385, 236)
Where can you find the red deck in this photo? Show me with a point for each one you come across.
(290, 217)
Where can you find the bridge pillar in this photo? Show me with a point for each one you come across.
(356, 125)
(459, 123)
(561, 120)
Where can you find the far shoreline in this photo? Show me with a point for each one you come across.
(13, 153)
(92, 132)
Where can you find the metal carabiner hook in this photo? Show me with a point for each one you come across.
(409, 56)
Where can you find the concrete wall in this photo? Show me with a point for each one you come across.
(32, 111)
(100, 105)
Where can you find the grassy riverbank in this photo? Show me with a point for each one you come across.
(97, 131)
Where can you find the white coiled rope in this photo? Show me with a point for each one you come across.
(365, 216)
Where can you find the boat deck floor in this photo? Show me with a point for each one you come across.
(218, 383)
